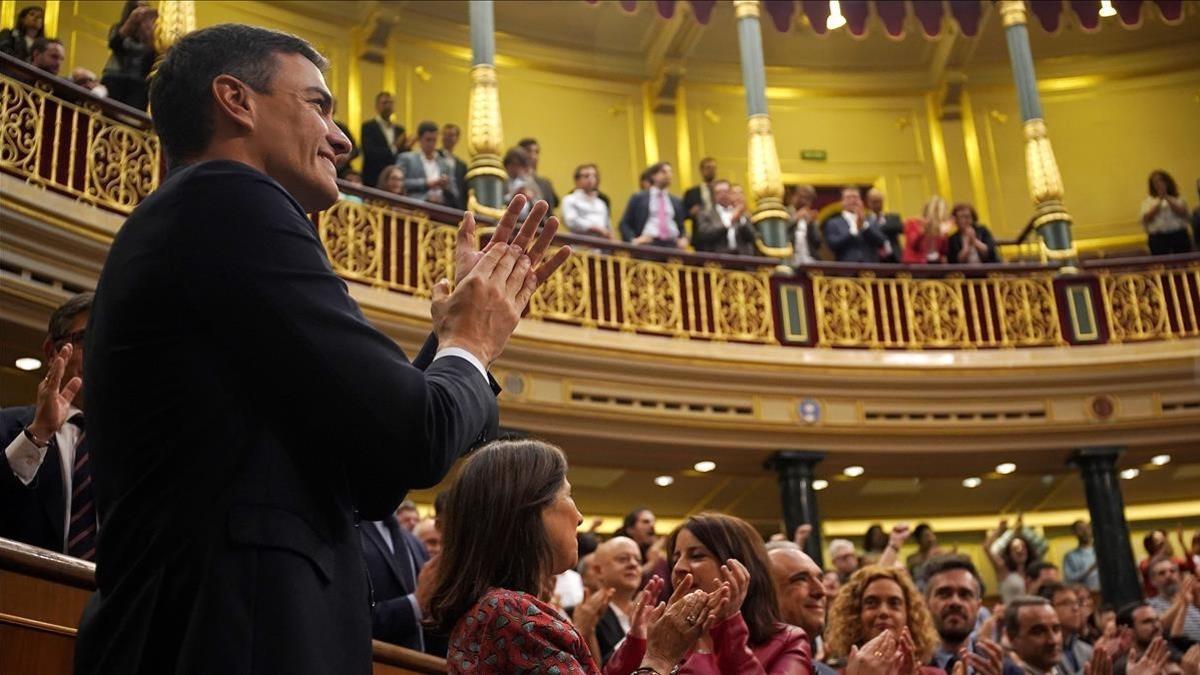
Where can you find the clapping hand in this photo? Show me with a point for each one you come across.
(879, 656)
(645, 606)
(53, 397)
(675, 628)
(587, 613)
(1151, 661)
(1101, 664)
(734, 575)
(1190, 663)
(992, 661)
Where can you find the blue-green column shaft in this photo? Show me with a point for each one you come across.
(487, 187)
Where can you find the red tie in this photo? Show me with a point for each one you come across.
(664, 231)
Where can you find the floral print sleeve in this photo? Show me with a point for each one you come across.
(512, 632)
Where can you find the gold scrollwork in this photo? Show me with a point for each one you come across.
(1137, 306)
(939, 319)
(1028, 314)
(1045, 181)
(845, 313)
(566, 295)
(20, 124)
(766, 183)
(741, 305)
(122, 165)
(651, 296)
(436, 253)
(353, 237)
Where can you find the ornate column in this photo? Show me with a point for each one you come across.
(763, 177)
(176, 18)
(485, 134)
(796, 471)
(1118, 574)
(1051, 219)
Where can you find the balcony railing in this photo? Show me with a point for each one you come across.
(58, 136)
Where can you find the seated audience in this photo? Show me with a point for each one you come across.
(394, 559)
(955, 597)
(45, 490)
(18, 40)
(583, 210)
(804, 232)
(408, 515)
(1079, 564)
(458, 168)
(545, 187)
(354, 178)
(509, 528)
(430, 537)
(427, 175)
(653, 216)
(1038, 574)
(926, 239)
(1075, 652)
(1035, 634)
(699, 198)
(382, 140)
(878, 600)
(724, 228)
(617, 565)
(844, 558)
(888, 223)
(973, 243)
(802, 597)
(88, 80)
(131, 41)
(391, 179)
(47, 55)
(849, 235)
(1177, 600)
(1165, 216)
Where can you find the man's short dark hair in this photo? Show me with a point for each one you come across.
(579, 170)
(1012, 612)
(64, 316)
(948, 563)
(1048, 591)
(1035, 568)
(526, 142)
(516, 156)
(42, 44)
(706, 160)
(426, 127)
(654, 168)
(381, 95)
(181, 89)
(451, 125)
(1125, 614)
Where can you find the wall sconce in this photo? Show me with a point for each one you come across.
(422, 73)
(998, 116)
(712, 116)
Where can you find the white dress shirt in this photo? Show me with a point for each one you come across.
(433, 170)
(801, 254)
(583, 212)
(389, 131)
(651, 226)
(25, 458)
(1165, 220)
(726, 214)
(852, 221)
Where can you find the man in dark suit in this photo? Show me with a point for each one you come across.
(394, 559)
(973, 242)
(725, 228)
(382, 141)
(450, 136)
(618, 564)
(36, 504)
(653, 216)
(545, 187)
(849, 235)
(244, 417)
(699, 198)
(888, 223)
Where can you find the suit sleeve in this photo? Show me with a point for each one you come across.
(314, 364)
(837, 235)
(395, 621)
(710, 231)
(993, 254)
(412, 182)
(628, 229)
(955, 246)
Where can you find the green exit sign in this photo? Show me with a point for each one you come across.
(818, 155)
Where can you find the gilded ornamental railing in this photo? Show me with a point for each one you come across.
(59, 137)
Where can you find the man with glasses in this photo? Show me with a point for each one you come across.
(1075, 652)
(45, 491)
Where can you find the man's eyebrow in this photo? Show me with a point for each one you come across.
(326, 97)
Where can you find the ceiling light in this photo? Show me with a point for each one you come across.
(1159, 460)
(820, 484)
(1006, 468)
(1129, 474)
(1107, 9)
(835, 20)
(28, 363)
(972, 482)
(854, 471)
(663, 481)
(705, 466)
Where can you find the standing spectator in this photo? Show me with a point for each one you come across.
(48, 55)
(520, 179)
(427, 176)
(844, 558)
(391, 179)
(1040, 573)
(583, 210)
(849, 235)
(545, 187)
(874, 543)
(639, 526)
(1145, 629)
(1075, 652)
(1177, 601)
(724, 228)
(955, 596)
(888, 223)
(804, 231)
(972, 243)
(18, 40)
(653, 216)
(131, 41)
(458, 169)
(926, 548)
(699, 198)
(1035, 634)
(408, 515)
(382, 140)
(1165, 216)
(1157, 545)
(877, 600)
(927, 238)
(88, 80)
(1079, 564)
(394, 558)
(1010, 552)
(1087, 605)
(431, 538)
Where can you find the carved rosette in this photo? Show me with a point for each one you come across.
(938, 315)
(485, 133)
(766, 184)
(1028, 312)
(845, 311)
(566, 294)
(742, 308)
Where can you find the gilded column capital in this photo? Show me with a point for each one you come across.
(744, 8)
(1013, 12)
(763, 172)
(176, 18)
(485, 132)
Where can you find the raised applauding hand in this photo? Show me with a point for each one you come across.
(1152, 661)
(54, 397)
(889, 653)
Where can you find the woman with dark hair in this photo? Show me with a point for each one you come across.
(1010, 553)
(1158, 544)
(509, 527)
(973, 243)
(18, 40)
(1165, 216)
(708, 551)
(875, 541)
(132, 43)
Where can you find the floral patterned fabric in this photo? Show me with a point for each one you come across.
(513, 632)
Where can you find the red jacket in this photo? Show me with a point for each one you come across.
(787, 652)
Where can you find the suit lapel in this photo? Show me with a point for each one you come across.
(377, 539)
(405, 563)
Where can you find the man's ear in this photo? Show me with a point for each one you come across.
(233, 101)
(47, 350)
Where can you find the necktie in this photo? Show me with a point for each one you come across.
(81, 535)
(664, 231)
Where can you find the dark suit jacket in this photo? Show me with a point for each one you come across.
(393, 576)
(355, 151)
(638, 210)
(693, 197)
(34, 513)
(711, 236)
(847, 247)
(377, 152)
(982, 234)
(547, 189)
(608, 634)
(891, 227)
(460, 179)
(243, 415)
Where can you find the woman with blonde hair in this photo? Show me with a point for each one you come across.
(926, 238)
(878, 600)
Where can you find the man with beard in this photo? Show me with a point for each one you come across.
(1076, 652)
(1145, 629)
(954, 594)
(1177, 602)
(801, 592)
(1035, 634)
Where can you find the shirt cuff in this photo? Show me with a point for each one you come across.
(412, 598)
(463, 354)
(25, 458)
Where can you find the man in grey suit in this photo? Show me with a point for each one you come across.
(428, 176)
